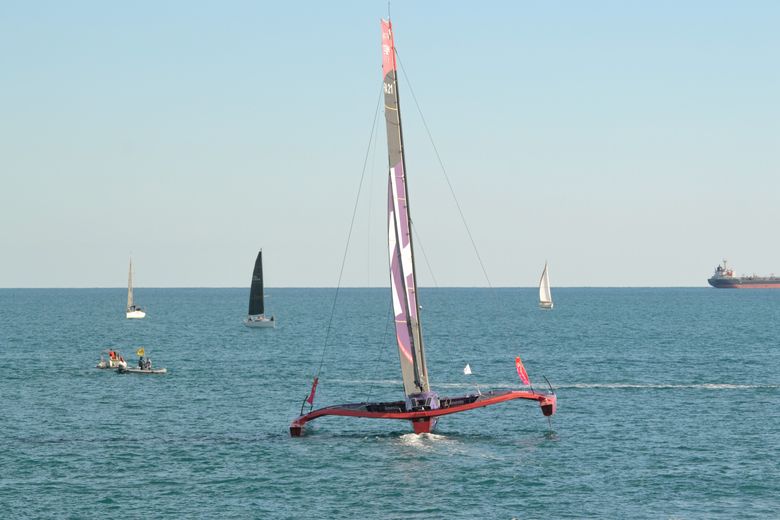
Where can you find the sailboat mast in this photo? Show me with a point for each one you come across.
(402, 268)
(130, 285)
(262, 288)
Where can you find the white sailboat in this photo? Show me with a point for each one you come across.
(133, 310)
(256, 316)
(545, 297)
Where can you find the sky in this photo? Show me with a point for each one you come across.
(626, 143)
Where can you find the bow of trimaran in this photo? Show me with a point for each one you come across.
(421, 406)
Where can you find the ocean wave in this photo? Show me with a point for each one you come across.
(424, 440)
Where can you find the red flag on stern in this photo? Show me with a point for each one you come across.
(310, 399)
(521, 372)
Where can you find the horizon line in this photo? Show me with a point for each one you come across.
(135, 287)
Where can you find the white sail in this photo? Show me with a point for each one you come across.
(545, 296)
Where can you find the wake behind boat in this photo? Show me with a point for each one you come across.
(256, 317)
(421, 406)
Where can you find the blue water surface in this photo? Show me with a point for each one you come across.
(668, 406)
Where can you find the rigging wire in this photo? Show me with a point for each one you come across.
(422, 249)
(446, 177)
(374, 135)
(349, 234)
(382, 346)
(383, 342)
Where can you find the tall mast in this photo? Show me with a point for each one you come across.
(403, 280)
(130, 285)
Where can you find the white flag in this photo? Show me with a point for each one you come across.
(467, 370)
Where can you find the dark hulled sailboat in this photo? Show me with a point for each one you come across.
(256, 316)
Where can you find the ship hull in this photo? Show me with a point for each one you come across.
(742, 283)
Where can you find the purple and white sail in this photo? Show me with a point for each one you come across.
(403, 283)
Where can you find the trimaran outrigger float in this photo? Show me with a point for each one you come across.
(422, 406)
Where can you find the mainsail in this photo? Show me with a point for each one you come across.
(403, 282)
(256, 291)
(130, 286)
(544, 287)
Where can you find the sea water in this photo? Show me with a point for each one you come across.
(669, 406)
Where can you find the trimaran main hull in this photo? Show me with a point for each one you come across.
(423, 421)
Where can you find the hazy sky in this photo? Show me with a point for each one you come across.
(628, 143)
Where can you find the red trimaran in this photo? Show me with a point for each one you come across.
(422, 406)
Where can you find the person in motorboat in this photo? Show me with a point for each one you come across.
(148, 365)
(122, 363)
(141, 362)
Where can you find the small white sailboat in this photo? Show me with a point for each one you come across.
(256, 316)
(545, 297)
(133, 310)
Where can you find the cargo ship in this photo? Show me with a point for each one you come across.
(724, 278)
